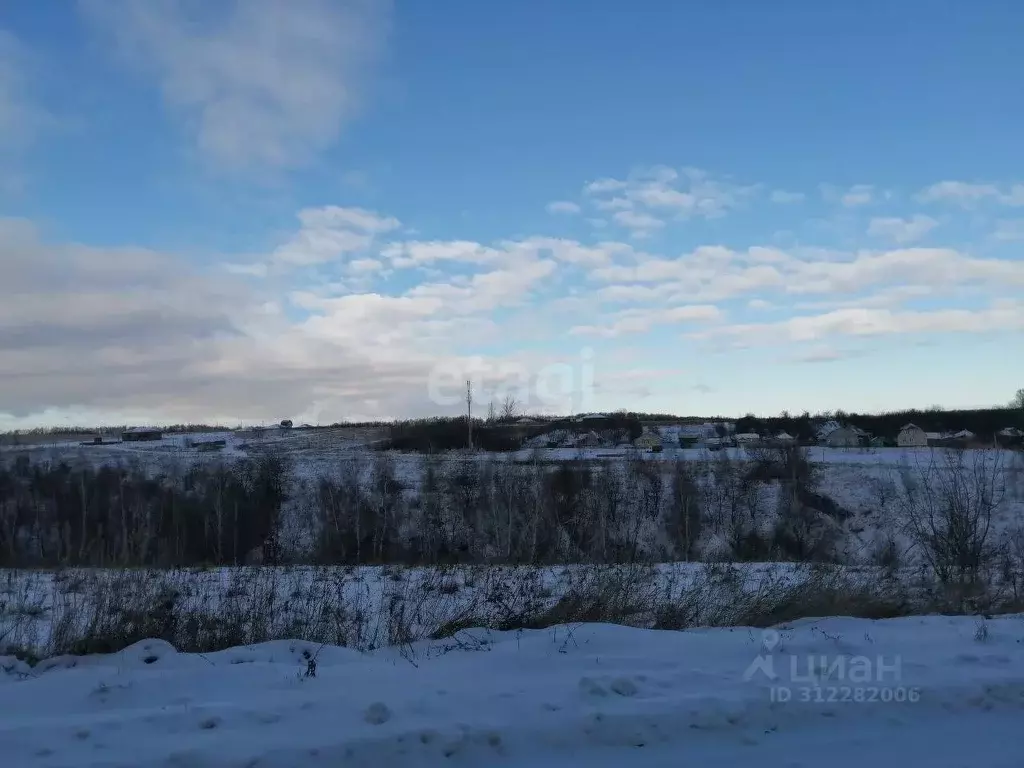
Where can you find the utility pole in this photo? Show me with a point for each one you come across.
(469, 412)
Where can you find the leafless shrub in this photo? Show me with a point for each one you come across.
(883, 492)
(949, 505)
(820, 591)
(613, 594)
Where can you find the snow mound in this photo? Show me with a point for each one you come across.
(587, 694)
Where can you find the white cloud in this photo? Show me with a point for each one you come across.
(113, 331)
(864, 322)
(960, 192)
(603, 185)
(920, 266)
(330, 233)
(563, 206)
(641, 224)
(334, 217)
(487, 291)
(365, 266)
(634, 321)
(258, 269)
(859, 194)
(712, 273)
(571, 251)
(885, 297)
(614, 204)
(259, 83)
(970, 194)
(783, 197)
(634, 293)
(902, 230)
(849, 197)
(418, 253)
(682, 194)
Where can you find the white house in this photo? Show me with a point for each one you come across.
(912, 436)
(845, 437)
(747, 438)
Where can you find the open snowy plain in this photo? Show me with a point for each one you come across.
(930, 691)
(714, 664)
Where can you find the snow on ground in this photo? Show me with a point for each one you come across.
(366, 607)
(933, 691)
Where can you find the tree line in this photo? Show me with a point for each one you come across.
(456, 509)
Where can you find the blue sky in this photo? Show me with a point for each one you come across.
(338, 209)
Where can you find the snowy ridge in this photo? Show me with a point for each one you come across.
(582, 693)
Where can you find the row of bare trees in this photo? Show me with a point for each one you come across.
(467, 509)
(60, 514)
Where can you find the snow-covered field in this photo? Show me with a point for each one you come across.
(867, 486)
(392, 666)
(932, 691)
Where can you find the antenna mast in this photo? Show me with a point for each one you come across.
(469, 412)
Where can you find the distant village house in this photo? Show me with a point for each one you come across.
(846, 437)
(912, 436)
(648, 441)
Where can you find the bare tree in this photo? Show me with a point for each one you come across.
(1018, 399)
(684, 516)
(509, 407)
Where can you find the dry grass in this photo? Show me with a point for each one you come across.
(46, 614)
